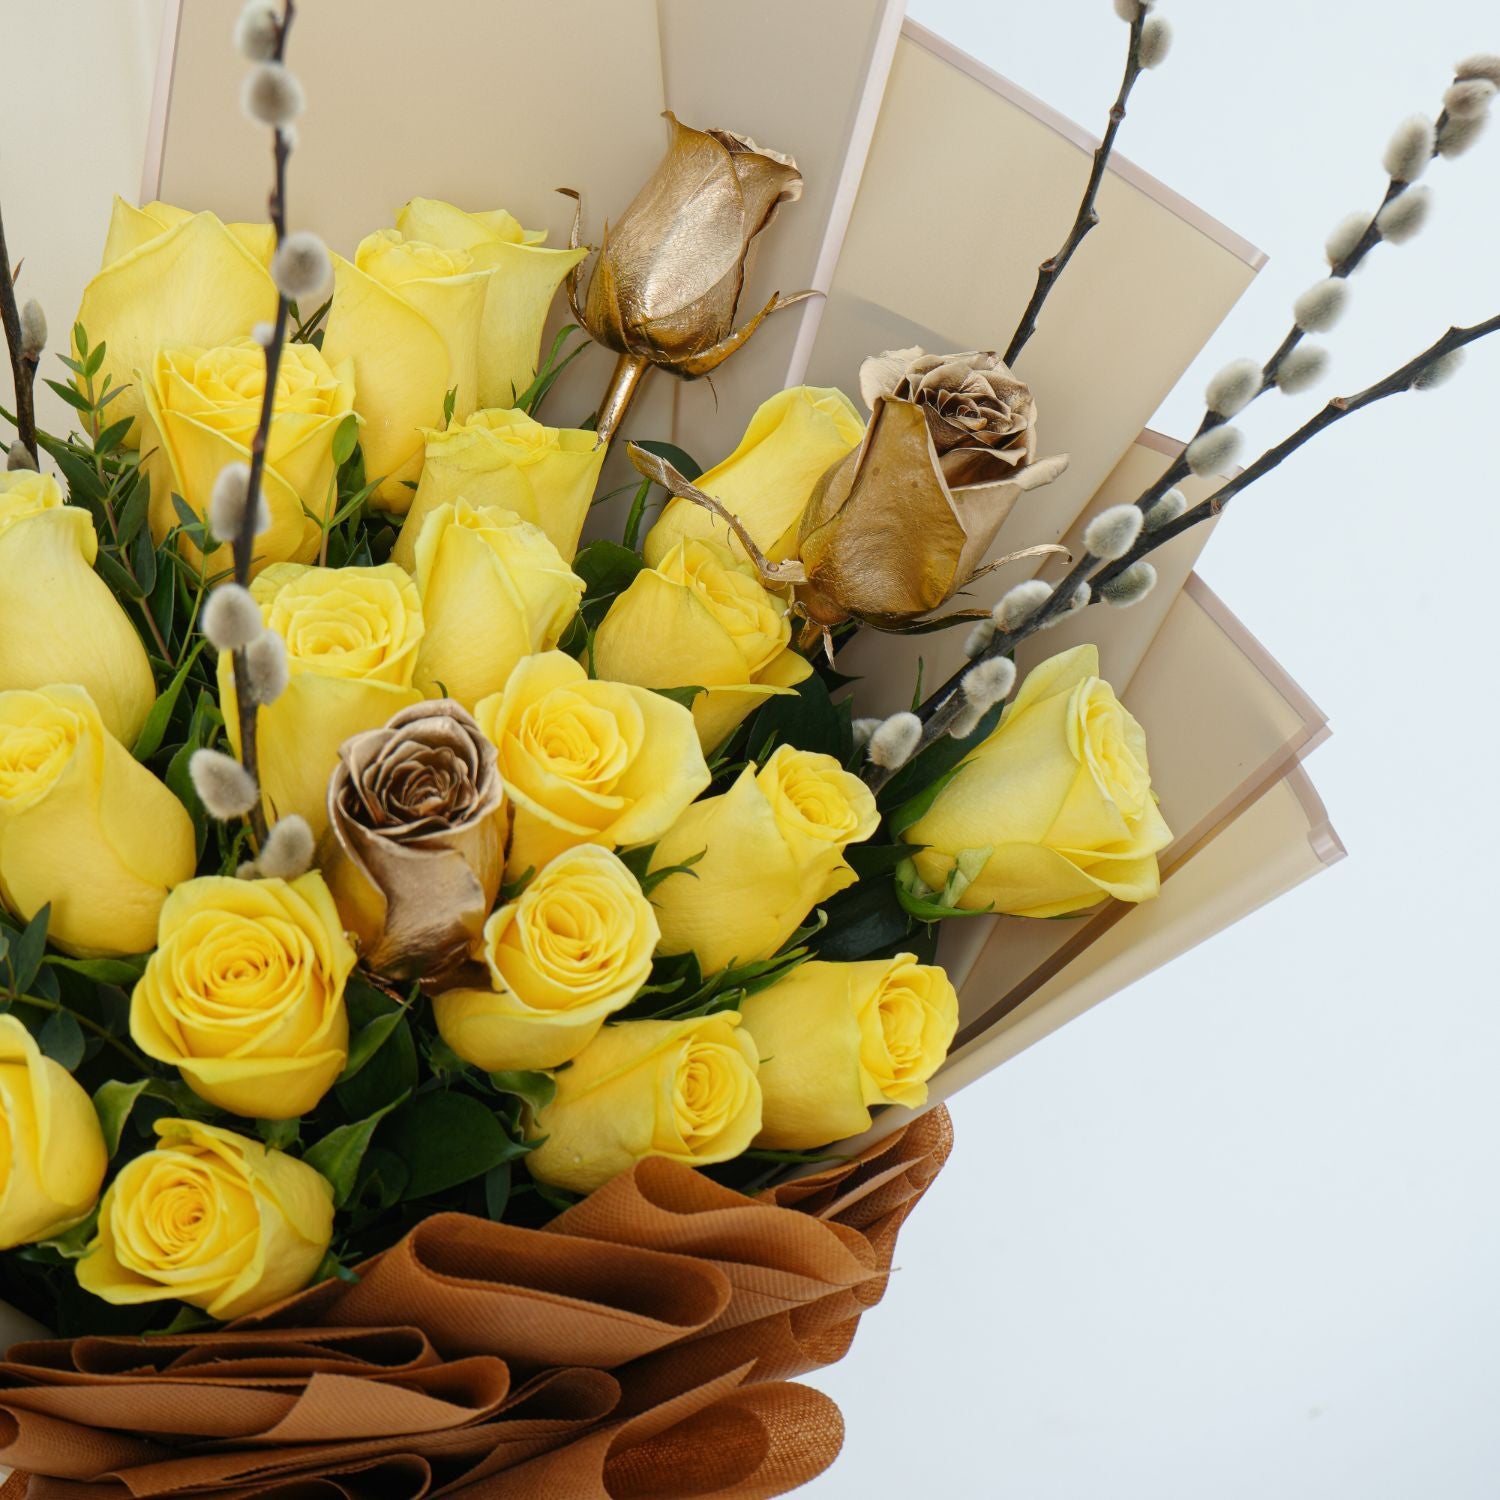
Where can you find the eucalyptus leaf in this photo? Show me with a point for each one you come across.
(61, 1039)
(27, 948)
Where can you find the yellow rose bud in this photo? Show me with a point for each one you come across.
(586, 761)
(685, 1090)
(570, 951)
(700, 618)
(545, 474)
(527, 276)
(244, 995)
(210, 1218)
(351, 641)
(770, 849)
(84, 825)
(170, 277)
(54, 1159)
(792, 440)
(408, 314)
(202, 409)
(836, 1038)
(58, 620)
(493, 590)
(1060, 793)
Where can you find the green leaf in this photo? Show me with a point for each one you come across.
(27, 949)
(653, 878)
(446, 1138)
(450, 400)
(863, 921)
(143, 560)
(133, 512)
(117, 577)
(148, 741)
(123, 971)
(368, 1040)
(61, 1039)
(497, 1191)
(345, 436)
(684, 463)
(686, 696)
(389, 1073)
(637, 513)
(806, 719)
(70, 395)
(928, 905)
(914, 788)
(339, 1155)
(113, 1102)
(280, 1135)
(112, 436)
(607, 569)
(537, 1089)
(870, 860)
(72, 1243)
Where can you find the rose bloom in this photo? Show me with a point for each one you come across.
(574, 947)
(351, 640)
(685, 1090)
(408, 315)
(768, 851)
(210, 1218)
(54, 1160)
(546, 475)
(765, 483)
(587, 761)
(526, 277)
(58, 620)
(700, 618)
(1060, 794)
(836, 1038)
(168, 276)
(202, 409)
(493, 590)
(416, 838)
(244, 995)
(84, 826)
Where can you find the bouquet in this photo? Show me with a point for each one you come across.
(457, 947)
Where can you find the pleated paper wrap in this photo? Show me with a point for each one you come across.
(640, 1345)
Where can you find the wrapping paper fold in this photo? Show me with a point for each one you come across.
(640, 1345)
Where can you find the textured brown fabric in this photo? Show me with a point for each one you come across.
(638, 1348)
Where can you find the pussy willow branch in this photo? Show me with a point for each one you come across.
(22, 370)
(1088, 216)
(943, 707)
(1178, 470)
(244, 543)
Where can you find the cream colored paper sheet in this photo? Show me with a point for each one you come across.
(950, 266)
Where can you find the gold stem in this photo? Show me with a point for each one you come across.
(623, 385)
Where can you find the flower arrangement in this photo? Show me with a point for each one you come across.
(437, 946)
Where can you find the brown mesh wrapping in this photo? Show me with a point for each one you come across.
(638, 1348)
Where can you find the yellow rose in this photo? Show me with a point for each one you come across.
(569, 952)
(527, 275)
(58, 620)
(169, 277)
(836, 1038)
(792, 440)
(545, 474)
(202, 408)
(408, 314)
(1061, 795)
(210, 1218)
(700, 618)
(685, 1090)
(54, 1159)
(351, 641)
(244, 995)
(771, 847)
(84, 825)
(493, 590)
(586, 761)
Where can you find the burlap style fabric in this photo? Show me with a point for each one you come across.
(642, 1345)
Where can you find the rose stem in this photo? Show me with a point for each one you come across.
(23, 370)
(940, 710)
(1088, 216)
(1177, 471)
(623, 384)
(244, 543)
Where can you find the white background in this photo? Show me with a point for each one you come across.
(1235, 1233)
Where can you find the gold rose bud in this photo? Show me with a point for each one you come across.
(416, 839)
(666, 285)
(887, 536)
